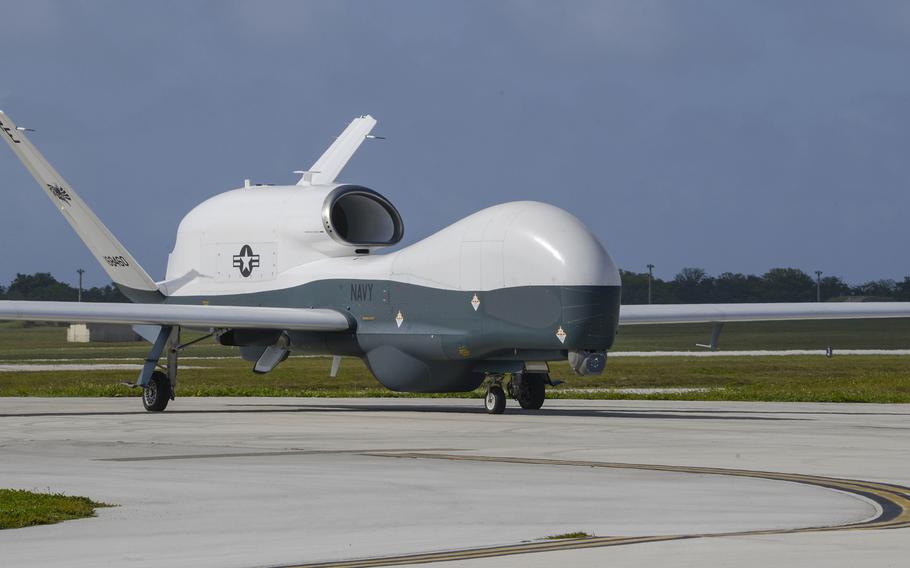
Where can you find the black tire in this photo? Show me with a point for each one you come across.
(530, 390)
(495, 401)
(157, 394)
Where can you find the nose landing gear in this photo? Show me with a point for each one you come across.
(528, 388)
(495, 401)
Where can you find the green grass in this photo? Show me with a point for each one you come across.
(809, 378)
(19, 341)
(806, 378)
(839, 334)
(24, 508)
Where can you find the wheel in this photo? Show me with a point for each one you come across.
(495, 400)
(530, 390)
(157, 393)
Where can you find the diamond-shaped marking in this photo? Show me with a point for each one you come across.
(475, 301)
(399, 319)
(561, 335)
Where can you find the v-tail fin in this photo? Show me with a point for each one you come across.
(119, 264)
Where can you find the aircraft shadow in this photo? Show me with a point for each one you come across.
(393, 407)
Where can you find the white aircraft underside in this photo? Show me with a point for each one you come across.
(275, 269)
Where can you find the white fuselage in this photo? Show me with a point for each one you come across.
(523, 243)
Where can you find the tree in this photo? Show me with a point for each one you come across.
(735, 287)
(877, 288)
(787, 285)
(40, 286)
(902, 290)
(832, 287)
(634, 287)
(107, 293)
(693, 285)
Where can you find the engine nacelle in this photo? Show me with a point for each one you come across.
(274, 228)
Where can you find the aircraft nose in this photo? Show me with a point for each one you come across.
(547, 245)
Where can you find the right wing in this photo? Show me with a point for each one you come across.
(193, 315)
(718, 313)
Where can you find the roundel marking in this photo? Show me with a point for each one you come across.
(246, 261)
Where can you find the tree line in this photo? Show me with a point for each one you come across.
(44, 287)
(690, 286)
(695, 286)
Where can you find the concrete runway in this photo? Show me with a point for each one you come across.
(281, 482)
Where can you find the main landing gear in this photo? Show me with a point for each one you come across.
(157, 381)
(528, 388)
(157, 393)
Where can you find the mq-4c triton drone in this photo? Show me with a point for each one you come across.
(293, 268)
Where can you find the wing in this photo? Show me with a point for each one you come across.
(298, 319)
(716, 313)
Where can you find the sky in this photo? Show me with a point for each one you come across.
(731, 136)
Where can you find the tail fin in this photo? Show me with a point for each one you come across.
(113, 257)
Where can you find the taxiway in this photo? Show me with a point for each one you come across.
(284, 482)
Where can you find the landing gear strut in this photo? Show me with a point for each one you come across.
(158, 386)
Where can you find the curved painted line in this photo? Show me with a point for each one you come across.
(893, 500)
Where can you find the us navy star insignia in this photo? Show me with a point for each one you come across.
(246, 261)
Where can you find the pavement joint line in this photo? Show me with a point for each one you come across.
(273, 453)
(893, 501)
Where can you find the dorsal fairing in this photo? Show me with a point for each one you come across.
(285, 226)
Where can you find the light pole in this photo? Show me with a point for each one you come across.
(650, 277)
(818, 285)
(81, 272)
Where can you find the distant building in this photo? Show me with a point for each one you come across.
(100, 333)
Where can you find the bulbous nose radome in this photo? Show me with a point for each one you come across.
(548, 245)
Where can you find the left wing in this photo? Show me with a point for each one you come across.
(227, 317)
(719, 313)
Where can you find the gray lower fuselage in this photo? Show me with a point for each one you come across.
(423, 339)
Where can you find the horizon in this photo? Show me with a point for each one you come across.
(75, 282)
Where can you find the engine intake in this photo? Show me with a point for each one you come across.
(358, 216)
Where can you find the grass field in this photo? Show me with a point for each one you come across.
(791, 378)
(25, 508)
